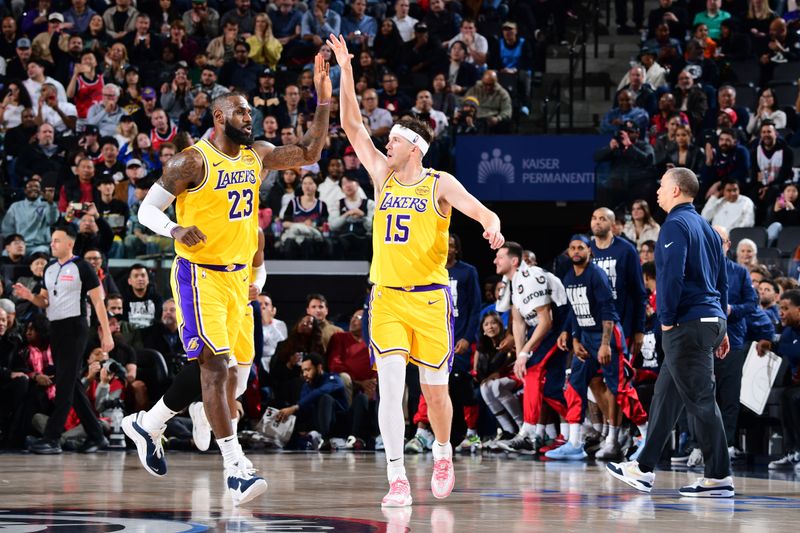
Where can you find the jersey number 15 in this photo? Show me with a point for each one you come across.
(397, 228)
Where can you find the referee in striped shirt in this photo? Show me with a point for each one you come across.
(68, 280)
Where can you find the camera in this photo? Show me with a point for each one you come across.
(115, 369)
(79, 209)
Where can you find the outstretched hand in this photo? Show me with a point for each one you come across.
(322, 79)
(339, 47)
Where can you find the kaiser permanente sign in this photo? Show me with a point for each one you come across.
(528, 167)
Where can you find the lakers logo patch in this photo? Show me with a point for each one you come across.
(194, 344)
(248, 159)
(423, 190)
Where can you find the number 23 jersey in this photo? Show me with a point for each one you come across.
(409, 234)
(224, 206)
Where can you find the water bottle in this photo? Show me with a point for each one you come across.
(277, 228)
(775, 445)
(326, 230)
(117, 437)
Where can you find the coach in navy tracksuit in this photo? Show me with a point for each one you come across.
(692, 287)
(620, 260)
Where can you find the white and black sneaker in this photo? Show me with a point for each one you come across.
(709, 488)
(243, 484)
(629, 473)
(785, 463)
(519, 444)
(148, 445)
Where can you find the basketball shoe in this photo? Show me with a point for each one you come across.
(444, 477)
(201, 429)
(148, 444)
(609, 450)
(521, 443)
(243, 485)
(785, 463)
(629, 473)
(552, 444)
(695, 458)
(567, 452)
(399, 494)
(709, 488)
(471, 443)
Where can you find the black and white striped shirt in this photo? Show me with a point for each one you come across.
(67, 285)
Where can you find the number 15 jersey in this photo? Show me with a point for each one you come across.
(409, 234)
(224, 206)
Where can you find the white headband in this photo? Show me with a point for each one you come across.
(411, 136)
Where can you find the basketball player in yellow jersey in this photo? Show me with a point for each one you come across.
(216, 186)
(411, 311)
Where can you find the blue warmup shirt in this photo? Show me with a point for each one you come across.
(789, 347)
(621, 262)
(466, 291)
(327, 383)
(742, 300)
(591, 300)
(691, 276)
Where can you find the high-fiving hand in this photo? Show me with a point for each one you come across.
(339, 47)
(322, 79)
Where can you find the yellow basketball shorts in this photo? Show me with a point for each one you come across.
(210, 302)
(415, 322)
(244, 347)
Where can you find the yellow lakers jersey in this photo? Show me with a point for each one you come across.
(224, 206)
(409, 234)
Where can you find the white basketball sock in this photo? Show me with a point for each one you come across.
(550, 431)
(157, 416)
(229, 446)
(575, 435)
(440, 451)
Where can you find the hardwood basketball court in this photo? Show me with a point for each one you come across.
(312, 492)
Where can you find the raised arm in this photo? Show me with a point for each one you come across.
(309, 148)
(372, 158)
(182, 172)
(452, 193)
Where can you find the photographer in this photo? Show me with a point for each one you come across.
(105, 381)
(464, 120)
(67, 283)
(631, 173)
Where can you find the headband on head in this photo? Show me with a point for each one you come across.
(583, 238)
(411, 136)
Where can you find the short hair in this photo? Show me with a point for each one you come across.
(793, 295)
(649, 269)
(315, 358)
(316, 296)
(108, 139)
(651, 243)
(13, 237)
(218, 101)
(70, 230)
(166, 145)
(513, 249)
(728, 131)
(116, 88)
(775, 286)
(761, 269)
(136, 266)
(747, 242)
(242, 43)
(457, 240)
(729, 181)
(114, 296)
(685, 179)
(350, 177)
(786, 283)
(417, 126)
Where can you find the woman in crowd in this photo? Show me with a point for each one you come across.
(684, 153)
(443, 98)
(116, 60)
(747, 253)
(14, 99)
(95, 38)
(304, 221)
(286, 188)
(264, 47)
(494, 370)
(768, 109)
(784, 213)
(641, 227)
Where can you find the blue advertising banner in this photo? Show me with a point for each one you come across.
(528, 167)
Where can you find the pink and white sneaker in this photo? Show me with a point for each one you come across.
(444, 477)
(399, 494)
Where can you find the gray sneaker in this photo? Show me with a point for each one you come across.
(609, 451)
(695, 458)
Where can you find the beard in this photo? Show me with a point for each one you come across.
(238, 136)
(580, 261)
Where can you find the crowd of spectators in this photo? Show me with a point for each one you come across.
(714, 89)
(96, 96)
